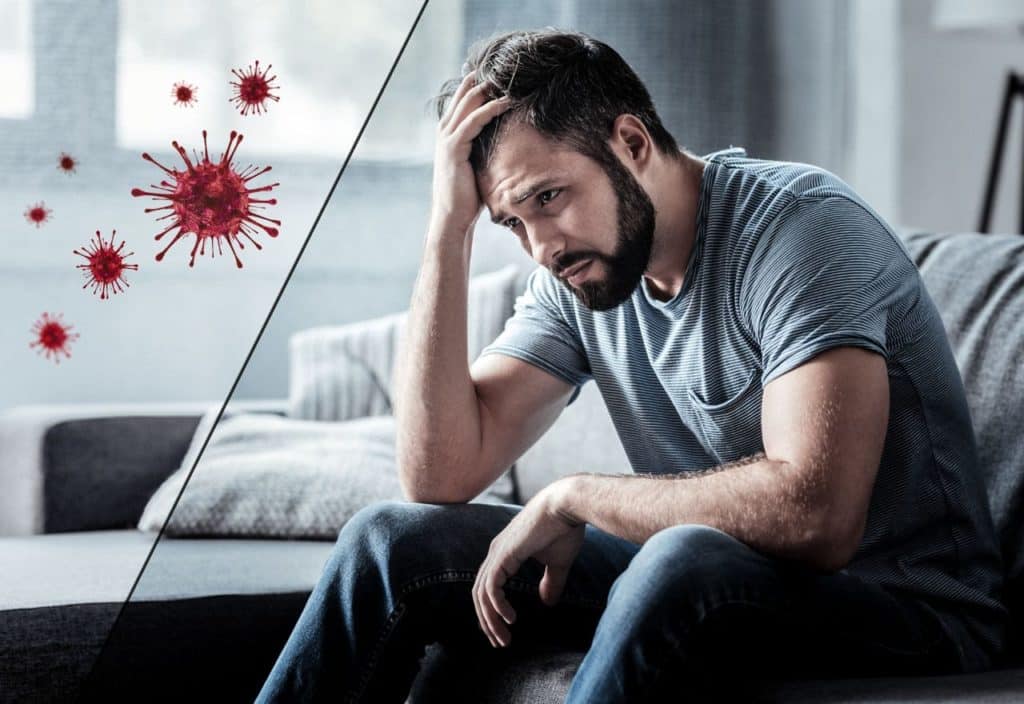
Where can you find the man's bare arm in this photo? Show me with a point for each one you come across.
(755, 499)
(436, 406)
(460, 427)
(804, 498)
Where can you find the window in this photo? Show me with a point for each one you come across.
(16, 59)
(318, 51)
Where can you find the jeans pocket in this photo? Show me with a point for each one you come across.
(731, 428)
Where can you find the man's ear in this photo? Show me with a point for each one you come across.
(631, 141)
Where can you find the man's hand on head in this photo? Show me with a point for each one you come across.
(540, 531)
(456, 202)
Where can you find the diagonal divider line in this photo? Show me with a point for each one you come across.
(83, 692)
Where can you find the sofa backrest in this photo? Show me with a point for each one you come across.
(977, 283)
(338, 372)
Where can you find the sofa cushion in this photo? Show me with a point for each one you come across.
(267, 476)
(977, 283)
(99, 472)
(93, 466)
(595, 445)
(218, 610)
(66, 467)
(101, 566)
(544, 677)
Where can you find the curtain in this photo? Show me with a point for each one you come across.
(767, 75)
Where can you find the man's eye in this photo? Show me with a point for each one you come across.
(511, 223)
(548, 196)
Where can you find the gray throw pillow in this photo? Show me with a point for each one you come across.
(265, 476)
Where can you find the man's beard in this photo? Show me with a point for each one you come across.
(625, 267)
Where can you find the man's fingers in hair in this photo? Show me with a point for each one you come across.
(467, 82)
(475, 121)
(474, 98)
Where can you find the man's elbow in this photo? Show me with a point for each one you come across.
(416, 485)
(833, 549)
(420, 495)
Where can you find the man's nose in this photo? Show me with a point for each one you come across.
(546, 244)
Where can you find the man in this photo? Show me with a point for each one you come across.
(805, 493)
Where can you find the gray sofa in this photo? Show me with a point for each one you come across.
(209, 615)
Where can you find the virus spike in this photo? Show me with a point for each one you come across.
(263, 188)
(272, 231)
(258, 172)
(106, 265)
(52, 337)
(163, 232)
(252, 89)
(234, 140)
(161, 253)
(67, 163)
(147, 157)
(212, 201)
(249, 237)
(38, 214)
(184, 94)
(184, 155)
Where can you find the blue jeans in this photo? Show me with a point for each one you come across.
(686, 612)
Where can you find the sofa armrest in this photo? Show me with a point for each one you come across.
(92, 466)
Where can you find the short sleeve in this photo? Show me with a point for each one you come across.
(539, 334)
(824, 274)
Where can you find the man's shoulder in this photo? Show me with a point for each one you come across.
(760, 199)
(794, 178)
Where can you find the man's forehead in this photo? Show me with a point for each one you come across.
(522, 154)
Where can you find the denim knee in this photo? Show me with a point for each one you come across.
(675, 569)
(386, 523)
(407, 540)
(387, 533)
(688, 548)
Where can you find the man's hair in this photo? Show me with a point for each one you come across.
(568, 86)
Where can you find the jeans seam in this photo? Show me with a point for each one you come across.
(450, 575)
(396, 614)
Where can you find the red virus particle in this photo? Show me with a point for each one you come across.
(52, 337)
(212, 201)
(184, 94)
(105, 265)
(38, 214)
(252, 89)
(67, 163)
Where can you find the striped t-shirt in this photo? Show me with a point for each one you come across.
(788, 261)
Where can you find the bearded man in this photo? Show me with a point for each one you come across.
(804, 491)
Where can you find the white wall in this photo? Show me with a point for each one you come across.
(952, 86)
(873, 106)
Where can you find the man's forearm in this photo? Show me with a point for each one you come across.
(436, 406)
(759, 501)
